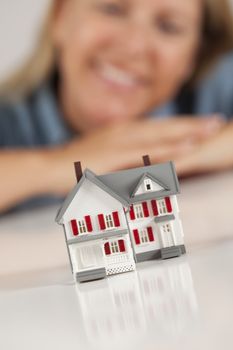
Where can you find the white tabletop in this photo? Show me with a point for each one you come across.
(181, 303)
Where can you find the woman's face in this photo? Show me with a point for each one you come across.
(120, 58)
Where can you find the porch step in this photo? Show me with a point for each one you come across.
(171, 252)
(91, 275)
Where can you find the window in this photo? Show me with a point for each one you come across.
(82, 226)
(148, 184)
(162, 206)
(138, 211)
(144, 236)
(166, 228)
(114, 247)
(109, 221)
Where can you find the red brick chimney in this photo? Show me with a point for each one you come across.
(78, 170)
(146, 160)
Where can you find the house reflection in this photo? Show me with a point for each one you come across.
(158, 298)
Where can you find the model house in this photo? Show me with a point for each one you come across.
(115, 220)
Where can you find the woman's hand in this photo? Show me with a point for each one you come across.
(212, 154)
(115, 147)
(122, 145)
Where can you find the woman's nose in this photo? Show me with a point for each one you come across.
(139, 41)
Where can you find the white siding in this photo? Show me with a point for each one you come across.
(92, 200)
(149, 221)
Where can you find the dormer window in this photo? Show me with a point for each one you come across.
(148, 184)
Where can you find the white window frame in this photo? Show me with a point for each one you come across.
(143, 235)
(148, 182)
(109, 222)
(82, 226)
(162, 207)
(114, 247)
(166, 228)
(138, 210)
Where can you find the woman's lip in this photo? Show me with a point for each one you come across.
(117, 77)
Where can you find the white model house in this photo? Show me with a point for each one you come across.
(114, 220)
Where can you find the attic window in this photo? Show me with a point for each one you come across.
(148, 184)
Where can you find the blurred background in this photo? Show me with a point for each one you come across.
(19, 25)
(19, 30)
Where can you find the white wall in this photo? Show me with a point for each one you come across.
(19, 25)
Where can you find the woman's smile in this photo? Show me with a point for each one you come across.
(119, 79)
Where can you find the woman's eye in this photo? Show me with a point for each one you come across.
(112, 9)
(169, 27)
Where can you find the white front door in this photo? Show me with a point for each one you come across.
(167, 236)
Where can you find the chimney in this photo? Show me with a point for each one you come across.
(78, 171)
(146, 160)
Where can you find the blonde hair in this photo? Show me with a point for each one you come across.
(217, 36)
(217, 39)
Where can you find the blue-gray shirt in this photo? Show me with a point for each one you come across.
(37, 121)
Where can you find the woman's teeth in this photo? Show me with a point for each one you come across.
(118, 76)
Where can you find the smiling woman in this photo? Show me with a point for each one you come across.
(100, 68)
(133, 54)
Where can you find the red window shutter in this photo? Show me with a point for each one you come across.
(74, 227)
(88, 223)
(136, 236)
(131, 213)
(150, 234)
(116, 219)
(154, 207)
(101, 222)
(121, 244)
(145, 209)
(107, 248)
(168, 204)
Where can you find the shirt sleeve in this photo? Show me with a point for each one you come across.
(16, 129)
(215, 93)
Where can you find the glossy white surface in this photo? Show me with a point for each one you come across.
(182, 303)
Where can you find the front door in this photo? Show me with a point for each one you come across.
(167, 236)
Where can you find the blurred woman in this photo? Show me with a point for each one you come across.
(102, 68)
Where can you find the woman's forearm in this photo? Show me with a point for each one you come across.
(25, 174)
(29, 173)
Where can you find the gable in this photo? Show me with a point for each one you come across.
(90, 178)
(90, 200)
(148, 184)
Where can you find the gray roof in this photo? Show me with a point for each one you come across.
(123, 184)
